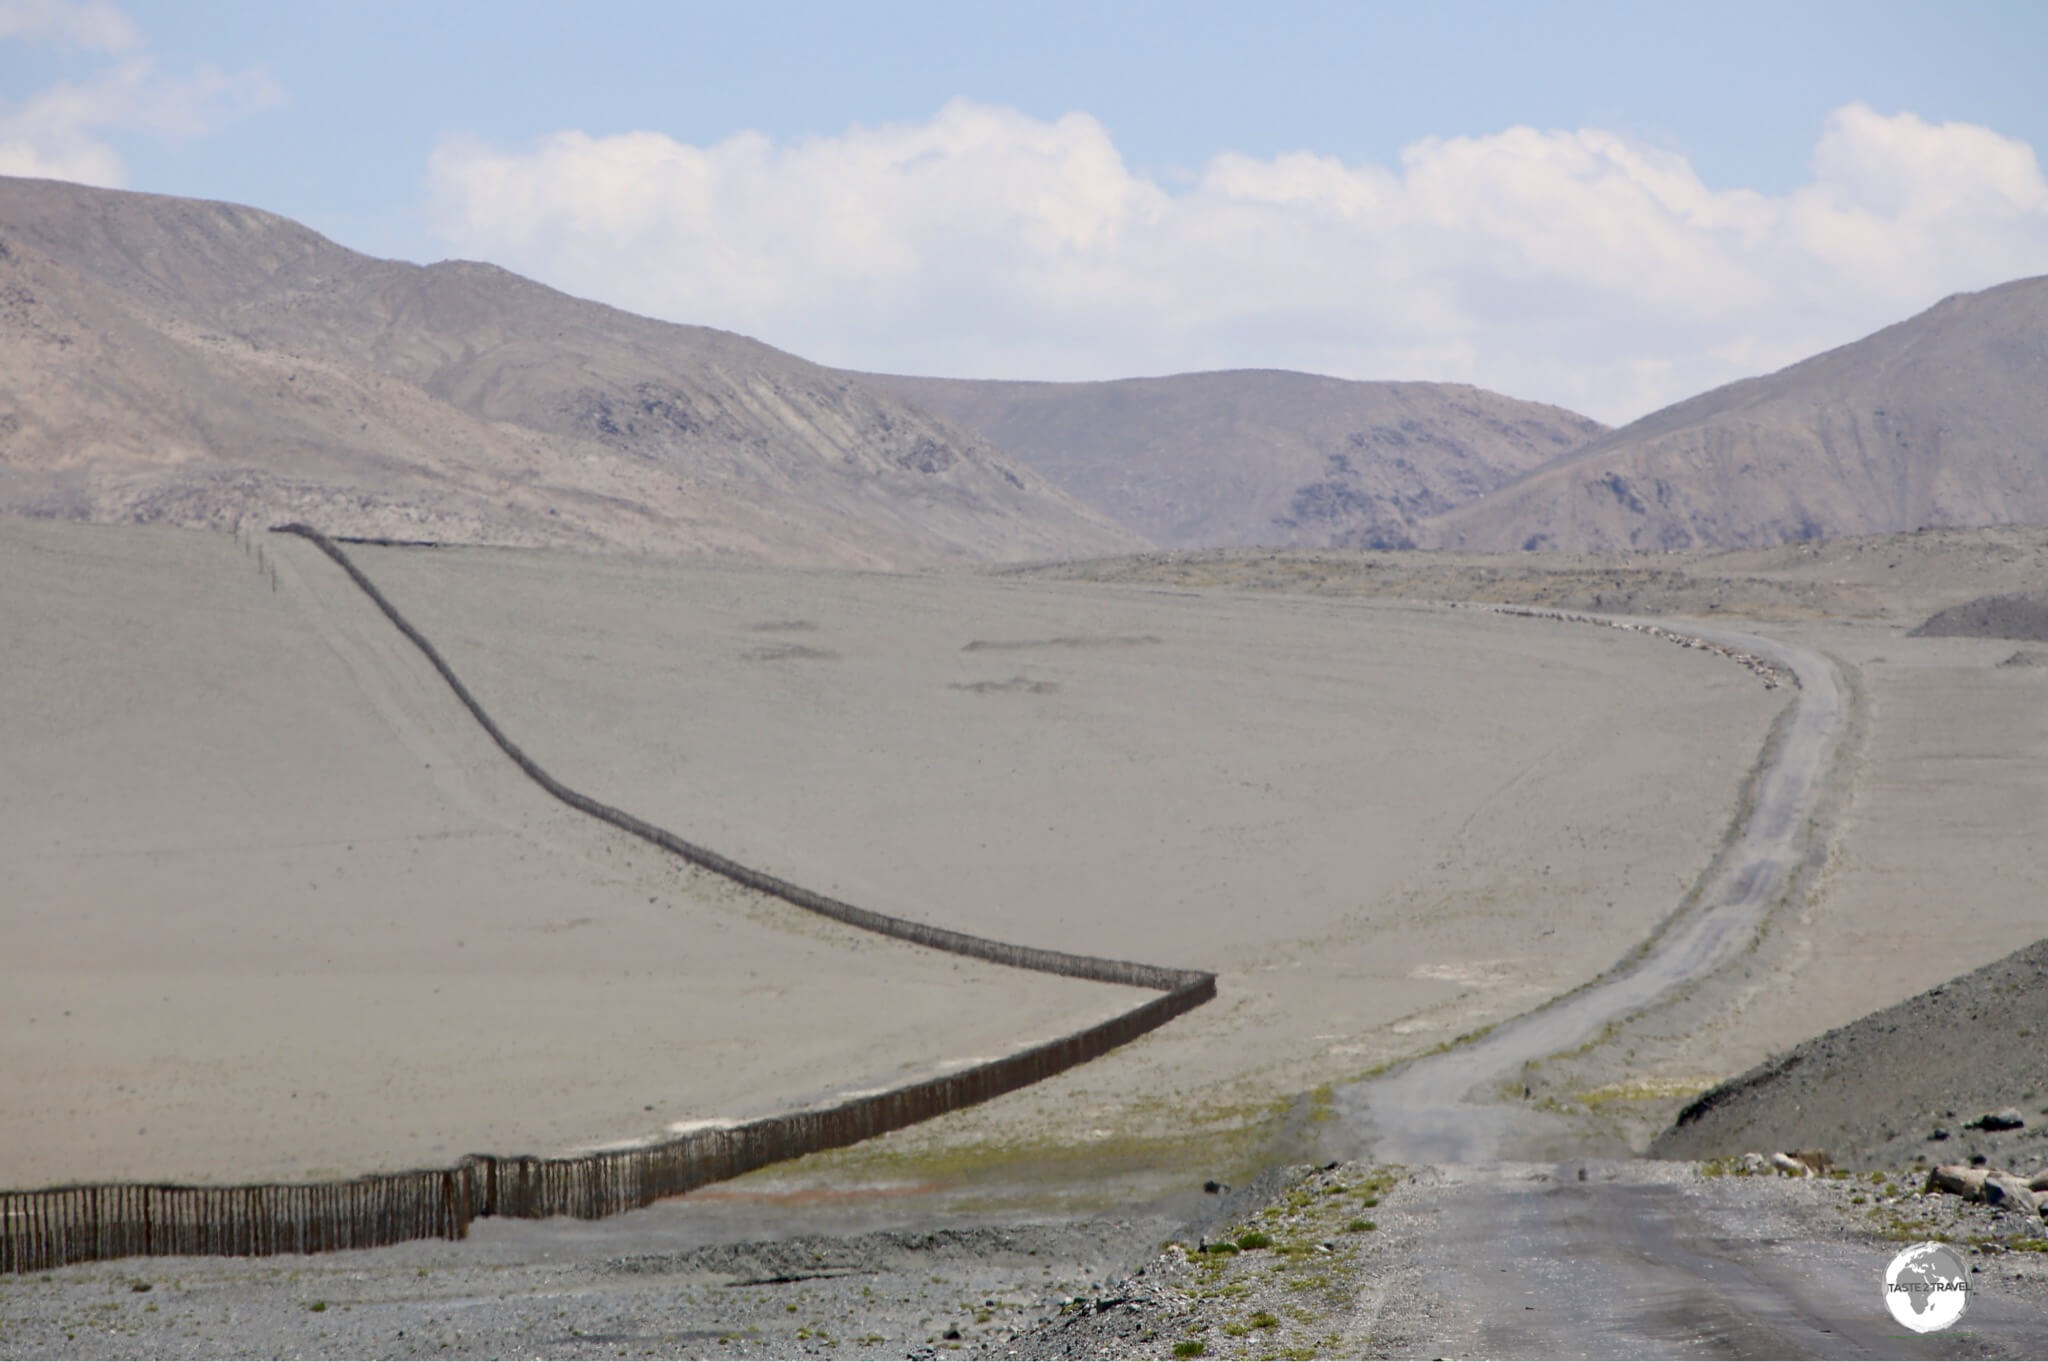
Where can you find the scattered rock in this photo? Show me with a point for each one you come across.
(1770, 673)
(1816, 1159)
(2006, 1118)
(1956, 1180)
(1872, 1091)
(2038, 1182)
(1020, 685)
(1940, 1133)
(2003, 1189)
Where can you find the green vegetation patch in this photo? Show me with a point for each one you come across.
(1643, 1090)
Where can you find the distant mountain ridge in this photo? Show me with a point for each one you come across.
(1940, 420)
(1259, 456)
(174, 360)
(166, 359)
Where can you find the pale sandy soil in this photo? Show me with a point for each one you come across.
(274, 908)
(1935, 846)
(1383, 824)
(1939, 858)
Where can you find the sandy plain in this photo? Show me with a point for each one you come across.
(275, 908)
(1938, 859)
(833, 686)
(250, 838)
(1383, 824)
(1934, 844)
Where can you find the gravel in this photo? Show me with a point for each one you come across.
(1441, 1271)
(1875, 1092)
(623, 1288)
(2022, 616)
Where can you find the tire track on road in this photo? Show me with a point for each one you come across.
(1446, 1107)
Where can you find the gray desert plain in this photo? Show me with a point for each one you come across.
(278, 910)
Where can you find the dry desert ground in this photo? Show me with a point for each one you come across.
(275, 909)
(306, 921)
(1931, 848)
(278, 910)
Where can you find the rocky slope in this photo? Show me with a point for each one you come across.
(1939, 420)
(166, 359)
(1913, 1079)
(1259, 456)
(2021, 616)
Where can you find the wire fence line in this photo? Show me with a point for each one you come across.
(54, 1226)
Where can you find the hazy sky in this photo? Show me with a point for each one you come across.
(1605, 206)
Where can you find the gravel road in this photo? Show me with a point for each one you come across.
(1471, 1255)
(1447, 1107)
(1593, 1259)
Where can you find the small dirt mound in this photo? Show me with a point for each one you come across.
(1015, 685)
(2022, 617)
(1910, 1080)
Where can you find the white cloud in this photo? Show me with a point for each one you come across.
(89, 24)
(59, 132)
(1576, 266)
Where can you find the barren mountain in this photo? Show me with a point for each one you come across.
(166, 359)
(1939, 420)
(1259, 456)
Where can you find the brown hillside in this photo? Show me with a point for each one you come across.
(1941, 420)
(199, 363)
(1259, 456)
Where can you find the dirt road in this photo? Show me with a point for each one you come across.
(1620, 1258)
(1646, 1260)
(1450, 1107)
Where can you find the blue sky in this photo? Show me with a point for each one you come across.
(1062, 190)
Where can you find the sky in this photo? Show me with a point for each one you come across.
(1609, 207)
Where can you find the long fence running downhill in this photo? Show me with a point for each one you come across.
(44, 1229)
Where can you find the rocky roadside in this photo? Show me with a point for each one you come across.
(1951, 1075)
(623, 1288)
(1330, 1261)
(1345, 1260)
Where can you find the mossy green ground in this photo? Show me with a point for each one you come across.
(1283, 1277)
(1155, 1148)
